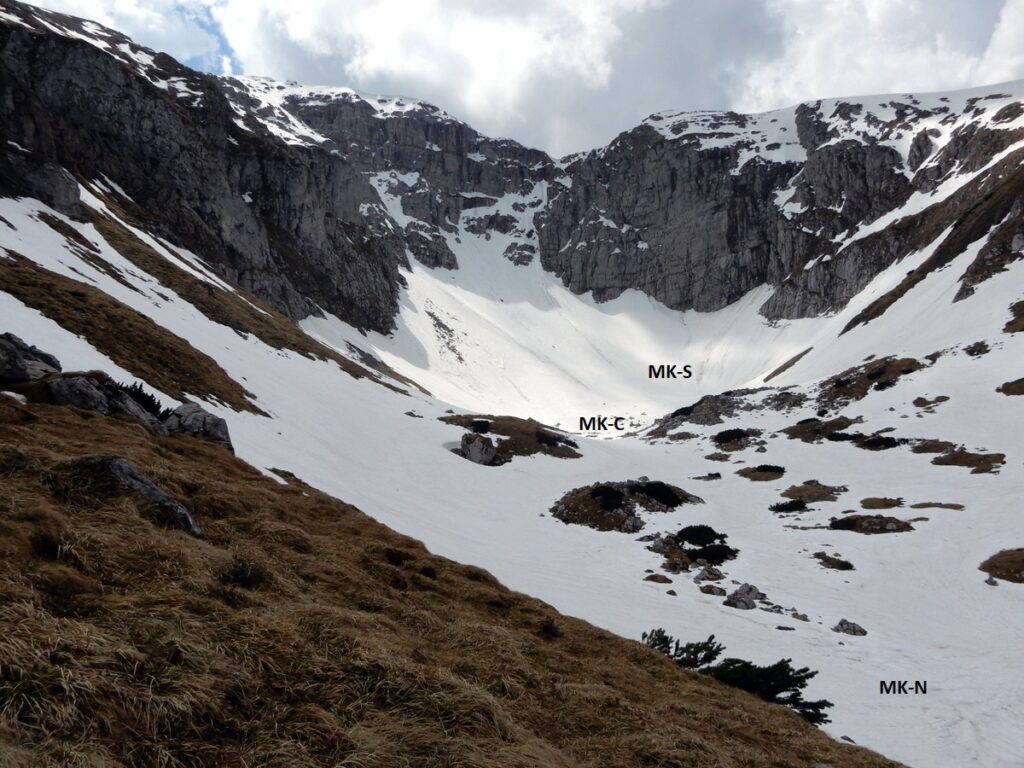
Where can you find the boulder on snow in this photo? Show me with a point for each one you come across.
(849, 628)
(712, 589)
(192, 419)
(745, 597)
(709, 573)
(22, 362)
(478, 448)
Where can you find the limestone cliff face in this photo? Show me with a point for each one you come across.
(280, 220)
(313, 197)
(697, 209)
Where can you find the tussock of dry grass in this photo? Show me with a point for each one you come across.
(1007, 565)
(881, 502)
(978, 463)
(812, 430)
(786, 365)
(855, 383)
(812, 492)
(1015, 387)
(523, 437)
(932, 446)
(302, 633)
(762, 472)
(1016, 322)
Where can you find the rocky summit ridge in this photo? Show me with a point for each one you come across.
(312, 197)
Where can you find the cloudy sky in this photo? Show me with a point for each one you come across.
(568, 75)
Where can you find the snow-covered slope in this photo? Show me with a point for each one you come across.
(489, 328)
(927, 610)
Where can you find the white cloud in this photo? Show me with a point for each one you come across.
(1004, 57)
(483, 56)
(850, 47)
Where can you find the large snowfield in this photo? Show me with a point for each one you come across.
(495, 338)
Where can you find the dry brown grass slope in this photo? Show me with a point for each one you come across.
(127, 337)
(299, 632)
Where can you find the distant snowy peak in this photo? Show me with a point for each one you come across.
(771, 136)
(915, 125)
(274, 104)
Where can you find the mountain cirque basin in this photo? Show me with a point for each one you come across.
(365, 290)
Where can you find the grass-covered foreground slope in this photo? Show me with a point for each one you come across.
(299, 632)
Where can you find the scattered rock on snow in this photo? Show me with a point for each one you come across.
(478, 448)
(849, 628)
(709, 573)
(745, 597)
(711, 589)
(658, 578)
(833, 562)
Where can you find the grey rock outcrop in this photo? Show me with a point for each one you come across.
(744, 597)
(192, 419)
(849, 628)
(112, 476)
(79, 391)
(478, 448)
(96, 392)
(23, 362)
